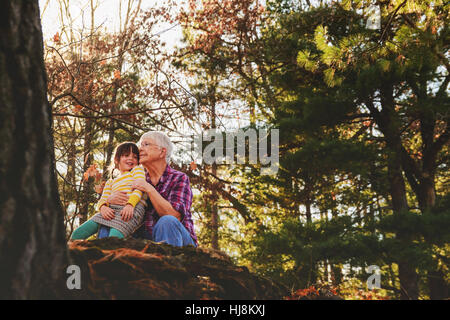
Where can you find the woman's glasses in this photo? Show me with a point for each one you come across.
(146, 144)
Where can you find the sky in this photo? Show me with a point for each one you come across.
(106, 15)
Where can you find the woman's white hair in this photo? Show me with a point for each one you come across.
(162, 140)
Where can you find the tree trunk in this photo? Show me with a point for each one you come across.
(387, 120)
(427, 200)
(214, 195)
(308, 211)
(437, 284)
(422, 181)
(214, 214)
(112, 127)
(86, 195)
(407, 273)
(33, 252)
(336, 274)
(109, 151)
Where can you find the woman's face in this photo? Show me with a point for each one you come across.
(128, 162)
(149, 151)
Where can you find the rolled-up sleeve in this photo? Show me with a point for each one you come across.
(180, 196)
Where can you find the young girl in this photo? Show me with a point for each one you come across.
(123, 221)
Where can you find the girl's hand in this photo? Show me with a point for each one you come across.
(107, 213)
(118, 198)
(141, 184)
(127, 212)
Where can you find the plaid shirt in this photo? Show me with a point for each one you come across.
(174, 187)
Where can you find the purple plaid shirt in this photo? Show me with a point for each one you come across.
(174, 187)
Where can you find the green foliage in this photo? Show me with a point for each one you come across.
(345, 98)
(295, 251)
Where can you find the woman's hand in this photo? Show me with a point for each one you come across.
(119, 198)
(107, 213)
(127, 212)
(142, 185)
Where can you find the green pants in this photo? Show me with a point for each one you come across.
(90, 228)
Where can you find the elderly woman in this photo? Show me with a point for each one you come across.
(167, 217)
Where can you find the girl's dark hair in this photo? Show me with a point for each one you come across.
(123, 149)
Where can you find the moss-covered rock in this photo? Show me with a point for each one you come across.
(114, 268)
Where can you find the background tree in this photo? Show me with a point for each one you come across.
(105, 87)
(354, 132)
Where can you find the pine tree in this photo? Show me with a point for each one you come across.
(386, 87)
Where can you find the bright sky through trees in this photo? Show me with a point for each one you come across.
(106, 17)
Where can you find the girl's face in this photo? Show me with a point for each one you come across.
(128, 162)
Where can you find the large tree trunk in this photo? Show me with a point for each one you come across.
(33, 251)
(422, 181)
(214, 196)
(397, 189)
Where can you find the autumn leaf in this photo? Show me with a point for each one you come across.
(400, 59)
(56, 38)
(193, 166)
(116, 74)
(433, 29)
(99, 187)
(77, 108)
(91, 172)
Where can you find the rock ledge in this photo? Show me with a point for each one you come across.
(142, 269)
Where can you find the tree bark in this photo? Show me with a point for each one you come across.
(214, 214)
(214, 195)
(421, 178)
(33, 252)
(427, 200)
(422, 181)
(87, 196)
(408, 276)
(387, 121)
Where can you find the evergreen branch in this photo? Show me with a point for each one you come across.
(390, 20)
(408, 21)
(359, 132)
(365, 116)
(412, 171)
(440, 142)
(219, 187)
